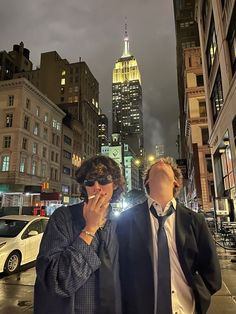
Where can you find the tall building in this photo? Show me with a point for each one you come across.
(186, 36)
(125, 157)
(217, 30)
(14, 61)
(102, 130)
(200, 187)
(127, 99)
(73, 87)
(30, 139)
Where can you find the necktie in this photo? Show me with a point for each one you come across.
(105, 277)
(163, 268)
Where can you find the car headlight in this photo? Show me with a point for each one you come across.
(2, 244)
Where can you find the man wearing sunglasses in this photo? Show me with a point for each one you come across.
(77, 266)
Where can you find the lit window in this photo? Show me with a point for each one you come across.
(63, 81)
(22, 164)
(5, 163)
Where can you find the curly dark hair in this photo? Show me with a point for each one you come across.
(100, 166)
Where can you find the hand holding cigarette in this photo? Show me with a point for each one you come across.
(95, 211)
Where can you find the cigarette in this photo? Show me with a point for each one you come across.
(92, 196)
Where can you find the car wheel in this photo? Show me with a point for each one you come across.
(12, 263)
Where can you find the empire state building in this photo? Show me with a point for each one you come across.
(127, 99)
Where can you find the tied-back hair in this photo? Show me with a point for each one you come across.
(96, 167)
(177, 174)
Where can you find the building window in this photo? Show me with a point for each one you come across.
(63, 81)
(35, 148)
(66, 170)
(231, 37)
(10, 100)
(76, 89)
(211, 50)
(205, 12)
(67, 154)
(51, 173)
(5, 163)
(24, 143)
(22, 164)
(26, 123)
(67, 140)
(202, 109)
(65, 188)
(58, 140)
(209, 163)
(45, 133)
(44, 152)
(34, 167)
(28, 103)
(53, 138)
(52, 156)
(7, 141)
(44, 168)
(200, 81)
(227, 168)
(55, 174)
(36, 129)
(37, 111)
(217, 99)
(46, 117)
(205, 136)
(56, 157)
(9, 120)
(234, 130)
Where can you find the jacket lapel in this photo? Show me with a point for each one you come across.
(183, 225)
(143, 223)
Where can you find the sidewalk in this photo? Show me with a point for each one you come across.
(16, 291)
(224, 301)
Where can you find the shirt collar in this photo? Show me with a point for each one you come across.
(151, 202)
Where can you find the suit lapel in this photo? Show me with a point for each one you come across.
(182, 224)
(143, 223)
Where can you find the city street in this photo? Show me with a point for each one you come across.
(16, 291)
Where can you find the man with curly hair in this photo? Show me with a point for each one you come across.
(77, 266)
(168, 261)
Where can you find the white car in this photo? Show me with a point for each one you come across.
(20, 237)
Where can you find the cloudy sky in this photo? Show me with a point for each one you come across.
(94, 30)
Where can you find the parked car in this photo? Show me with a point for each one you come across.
(20, 237)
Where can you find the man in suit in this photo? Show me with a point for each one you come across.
(168, 260)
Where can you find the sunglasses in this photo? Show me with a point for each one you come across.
(101, 181)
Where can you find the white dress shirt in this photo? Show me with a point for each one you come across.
(182, 296)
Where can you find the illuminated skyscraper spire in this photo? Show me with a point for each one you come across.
(126, 52)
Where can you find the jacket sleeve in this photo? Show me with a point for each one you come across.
(208, 263)
(64, 264)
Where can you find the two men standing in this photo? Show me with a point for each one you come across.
(167, 260)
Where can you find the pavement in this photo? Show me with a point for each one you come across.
(16, 291)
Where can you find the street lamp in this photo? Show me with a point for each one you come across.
(151, 158)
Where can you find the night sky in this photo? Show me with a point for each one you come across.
(94, 30)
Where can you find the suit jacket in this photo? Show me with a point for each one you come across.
(196, 251)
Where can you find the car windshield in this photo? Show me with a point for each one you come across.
(10, 228)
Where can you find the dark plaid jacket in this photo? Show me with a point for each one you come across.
(66, 266)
